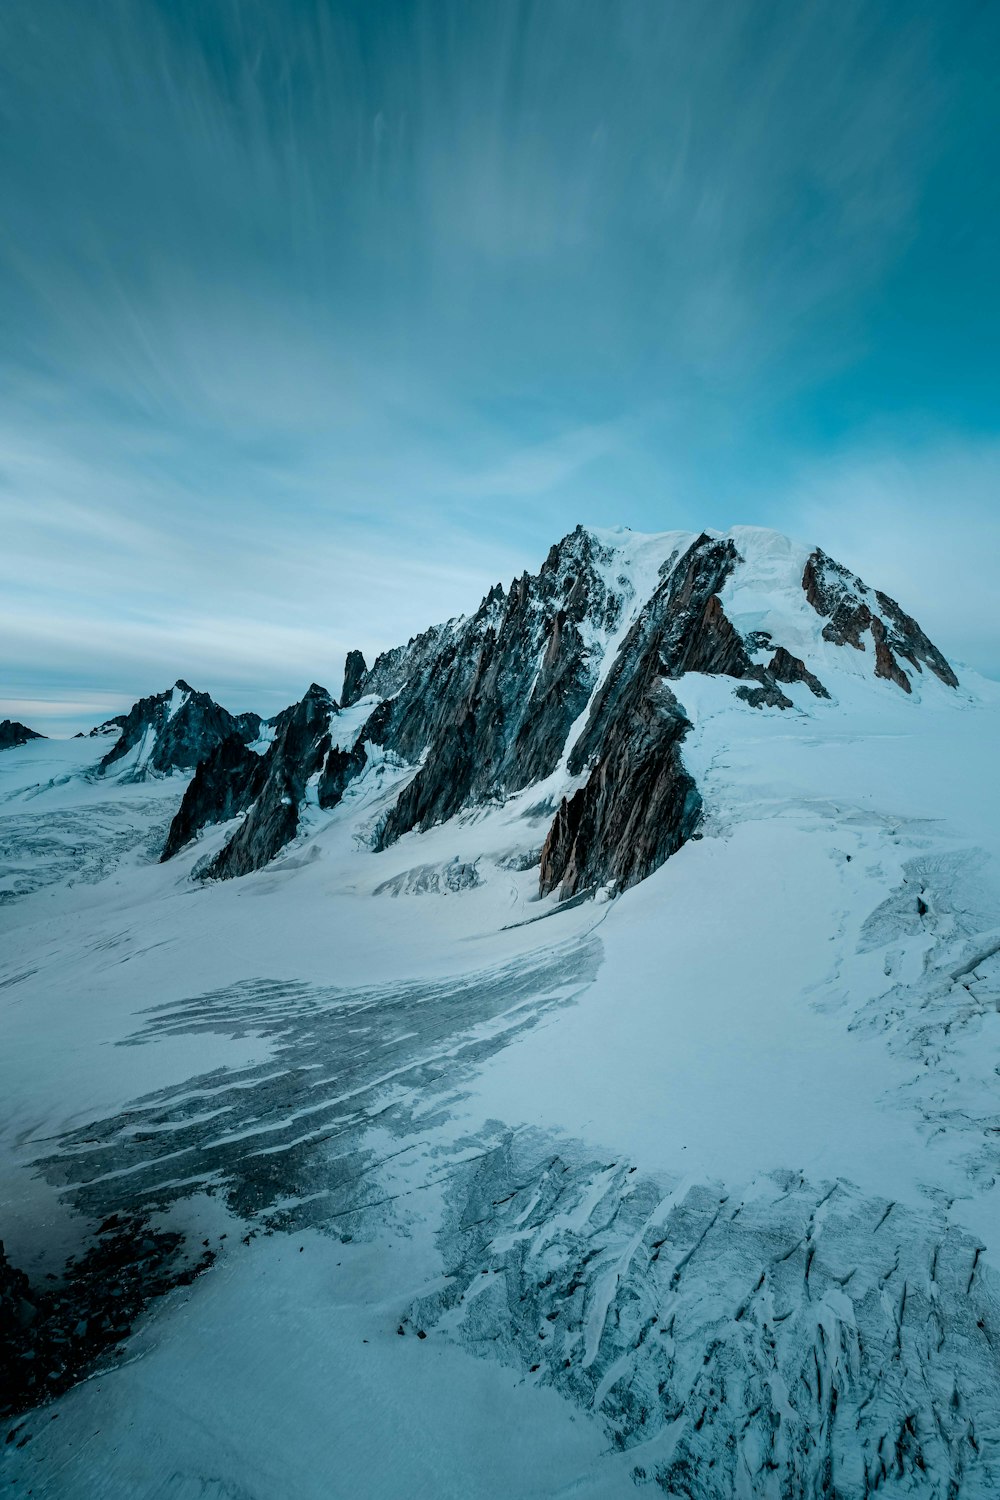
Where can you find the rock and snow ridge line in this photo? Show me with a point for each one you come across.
(174, 730)
(565, 680)
(13, 733)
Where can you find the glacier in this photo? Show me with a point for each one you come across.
(450, 1185)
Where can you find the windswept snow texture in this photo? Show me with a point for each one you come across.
(691, 1191)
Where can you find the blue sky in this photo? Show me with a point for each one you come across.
(319, 318)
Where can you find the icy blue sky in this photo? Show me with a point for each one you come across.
(318, 318)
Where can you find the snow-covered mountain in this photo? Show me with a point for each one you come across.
(598, 1043)
(175, 730)
(564, 680)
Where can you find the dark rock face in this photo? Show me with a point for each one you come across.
(685, 590)
(355, 672)
(113, 726)
(639, 804)
(300, 748)
(269, 788)
(224, 785)
(12, 733)
(393, 668)
(175, 730)
(248, 726)
(834, 591)
(784, 667)
(683, 628)
(495, 703)
(341, 767)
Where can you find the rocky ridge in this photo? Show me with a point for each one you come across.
(112, 726)
(302, 762)
(275, 793)
(854, 611)
(13, 734)
(569, 674)
(175, 730)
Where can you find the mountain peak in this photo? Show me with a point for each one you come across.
(576, 676)
(168, 731)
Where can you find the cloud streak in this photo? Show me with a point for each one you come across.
(317, 319)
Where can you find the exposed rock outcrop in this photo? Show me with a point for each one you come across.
(340, 769)
(12, 734)
(224, 785)
(682, 628)
(174, 730)
(112, 726)
(639, 804)
(248, 726)
(298, 753)
(784, 667)
(270, 787)
(393, 668)
(493, 707)
(854, 610)
(355, 672)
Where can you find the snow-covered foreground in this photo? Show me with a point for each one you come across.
(693, 1187)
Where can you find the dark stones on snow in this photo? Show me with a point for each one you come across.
(835, 592)
(51, 1335)
(13, 734)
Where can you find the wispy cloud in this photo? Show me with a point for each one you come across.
(317, 319)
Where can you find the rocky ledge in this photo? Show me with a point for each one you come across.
(13, 734)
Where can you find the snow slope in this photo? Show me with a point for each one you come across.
(691, 1190)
